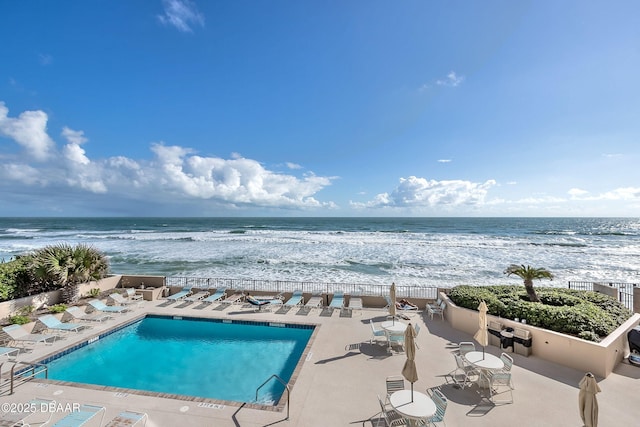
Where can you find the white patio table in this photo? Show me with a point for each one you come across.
(485, 362)
(421, 408)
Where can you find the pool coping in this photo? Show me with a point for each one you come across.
(204, 402)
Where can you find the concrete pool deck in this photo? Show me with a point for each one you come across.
(339, 380)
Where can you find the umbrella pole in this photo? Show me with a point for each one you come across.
(411, 392)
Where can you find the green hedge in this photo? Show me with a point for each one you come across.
(589, 315)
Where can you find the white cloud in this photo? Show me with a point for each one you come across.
(420, 192)
(452, 80)
(444, 161)
(236, 181)
(181, 14)
(576, 192)
(174, 174)
(29, 130)
(72, 150)
(293, 165)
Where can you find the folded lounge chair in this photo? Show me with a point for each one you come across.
(233, 298)
(185, 292)
(52, 323)
(39, 416)
(128, 419)
(100, 306)
(74, 312)
(18, 335)
(117, 299)
(82, 416)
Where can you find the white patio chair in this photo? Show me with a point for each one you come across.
(376, 333)
(394, 383)
(465, 371)
(499, 383)
(465, 347)
(389, 415)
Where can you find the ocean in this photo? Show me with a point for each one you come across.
(440, 252)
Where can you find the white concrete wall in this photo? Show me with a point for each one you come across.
(598, 358)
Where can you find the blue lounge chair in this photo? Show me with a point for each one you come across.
(18, 335)
(296, 299)
(100, 306)
(82, 416)
(338, 300)
(128, 419)
(52, 323)
(218, 295)
(185, 292)
(10, 352)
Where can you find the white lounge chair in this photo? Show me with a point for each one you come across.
(197, 296)
(355, 302)
(52, 323)
(218, 295)
(75, 313)
(131, 294)
(128, 419)
(100, 306)
(18, 335)
(39, 416)
(185, 292)
(82, 416)
(314, 302)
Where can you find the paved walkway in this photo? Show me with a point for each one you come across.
(340, 379)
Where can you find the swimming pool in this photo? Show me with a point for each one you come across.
(209, 358)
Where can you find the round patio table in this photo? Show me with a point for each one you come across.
(421, 408)
(393, 327)
(485, 362)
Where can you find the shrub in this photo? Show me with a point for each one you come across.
(581, 313)
(19, 319)
(94, 292)
(58, 308)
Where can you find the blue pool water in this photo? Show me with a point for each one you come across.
(190, 357)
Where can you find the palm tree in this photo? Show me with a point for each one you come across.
(528, 274)
(69, 266)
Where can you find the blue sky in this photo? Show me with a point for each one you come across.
(319, 108)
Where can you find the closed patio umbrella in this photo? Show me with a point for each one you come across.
(409, 370)
(587, 400)
(392, 306)
(482, 336)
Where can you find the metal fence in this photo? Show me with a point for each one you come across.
(625, 290)
(249, 285)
